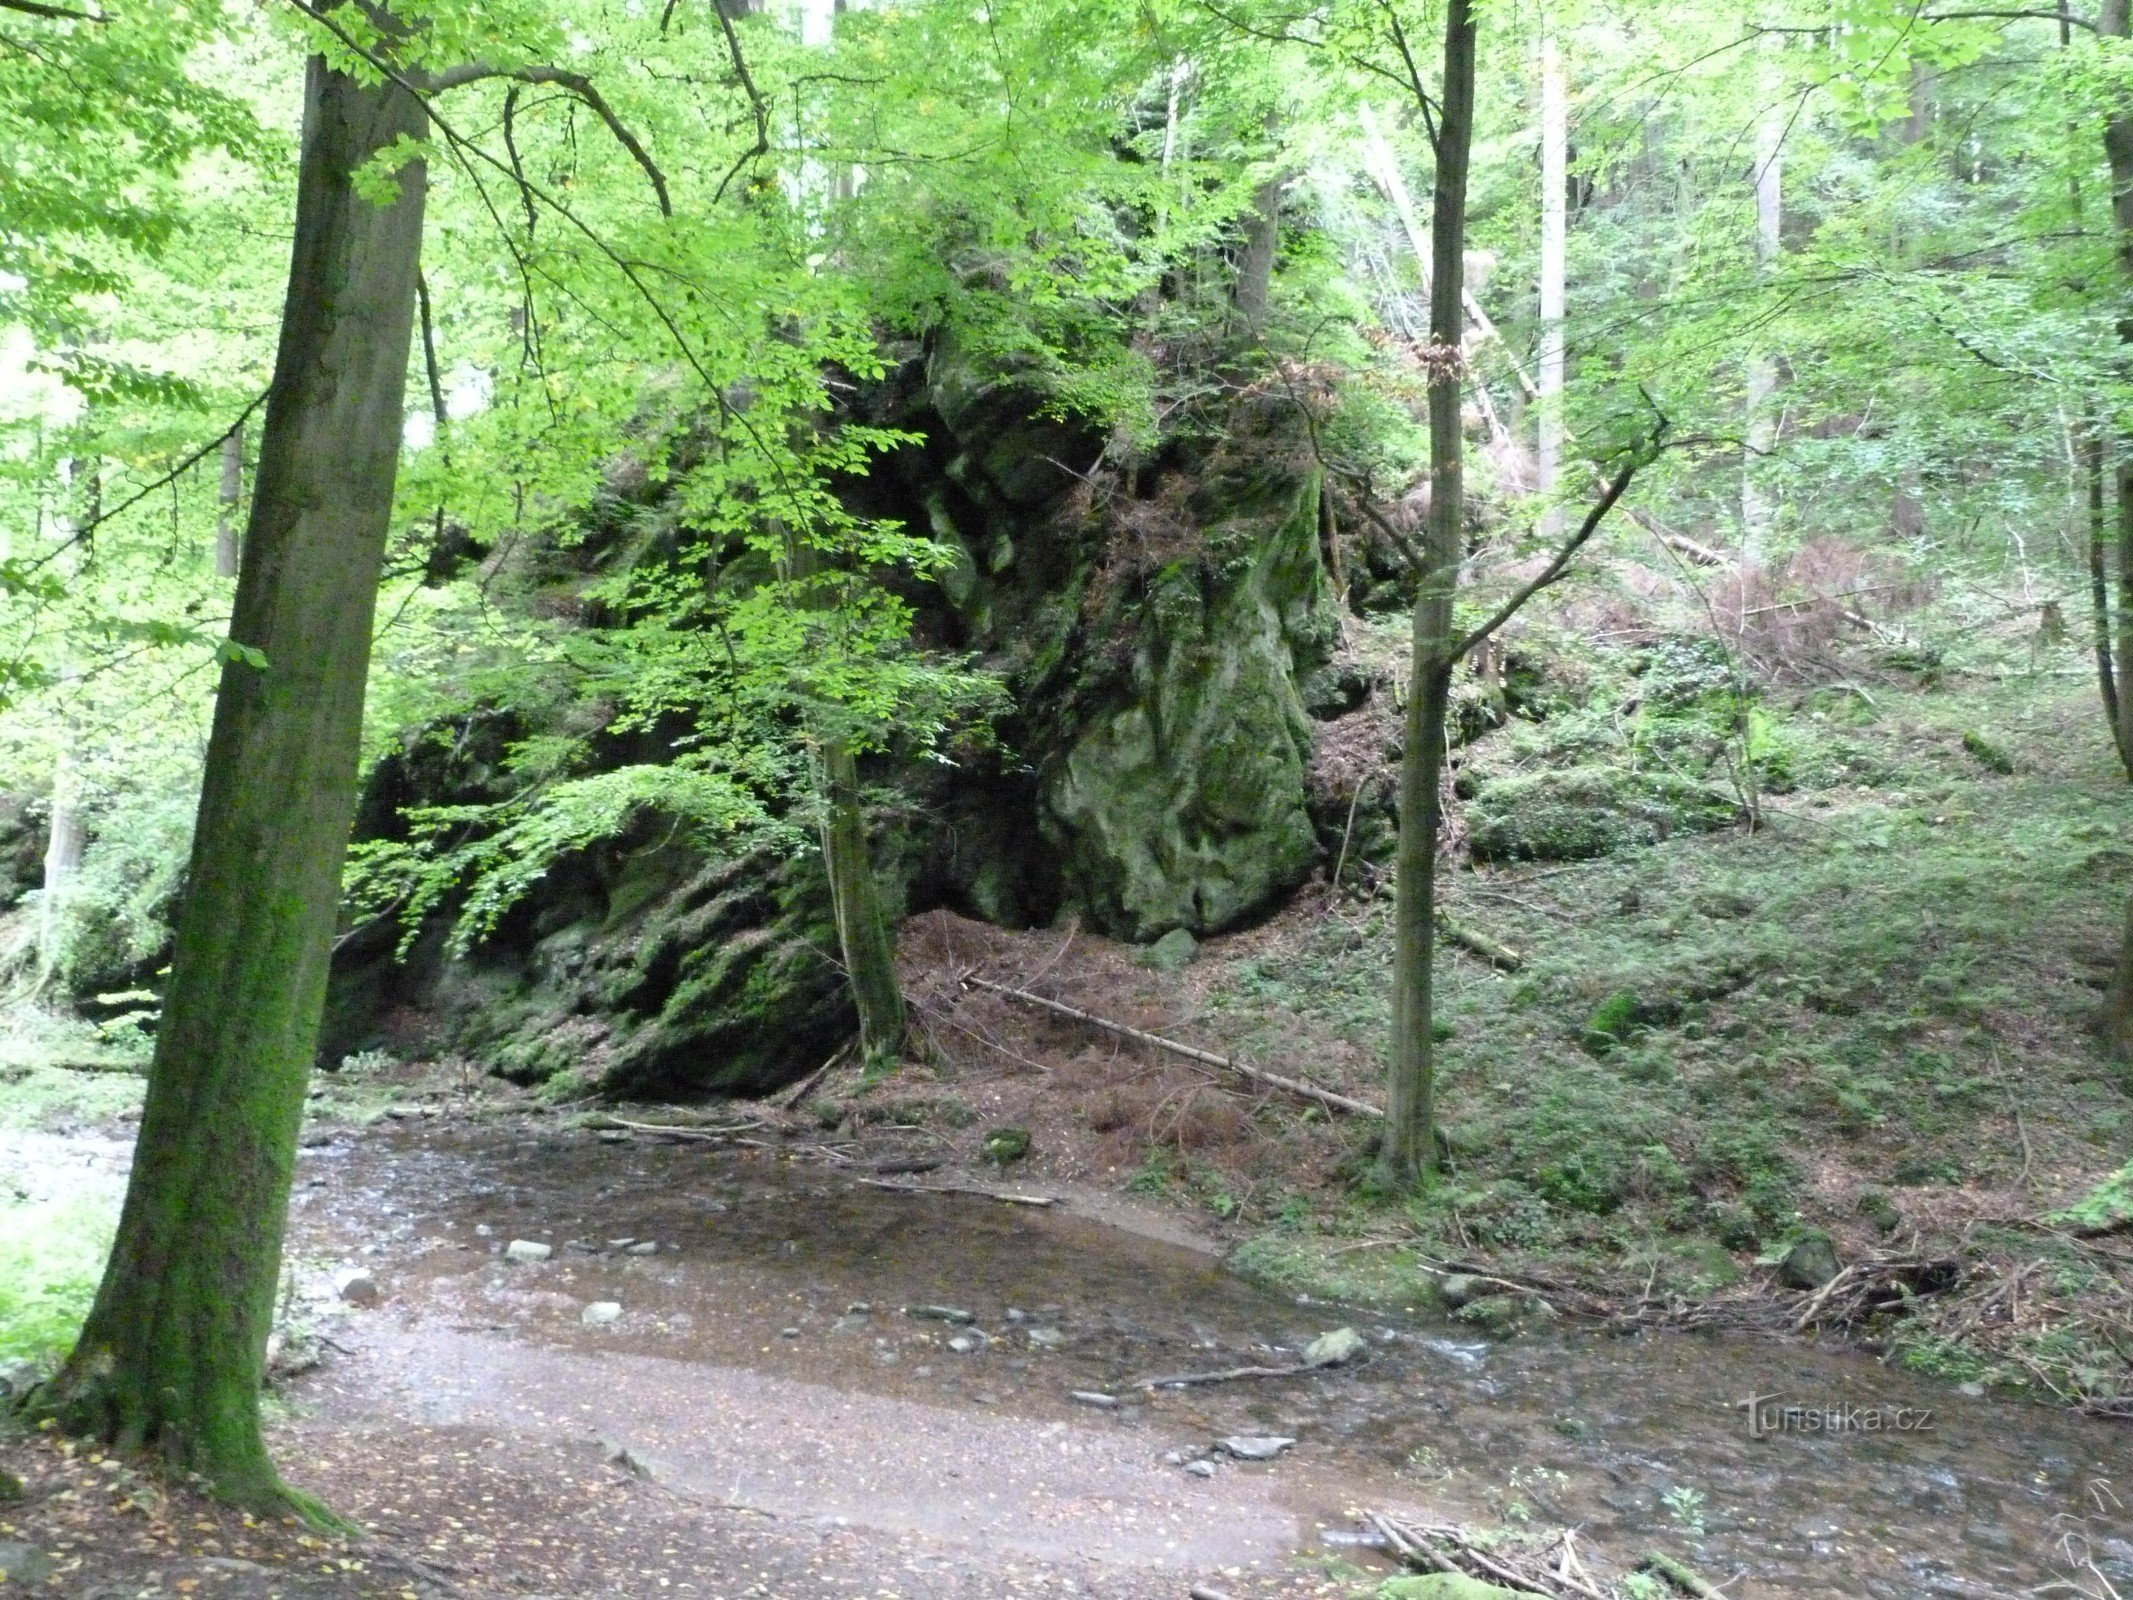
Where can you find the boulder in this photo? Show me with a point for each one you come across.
(1173, 952)
(1810, 1262)
(1336, 1349)
(1181, 797)
(1574, 813)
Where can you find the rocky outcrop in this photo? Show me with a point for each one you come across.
(1152, 627)
(1183, 801)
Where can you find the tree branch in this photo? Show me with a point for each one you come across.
(2011, 16)
(171, 477)
(33, 8)
(1553, 572)
(581, 86)
(756, 102)
(429, 353)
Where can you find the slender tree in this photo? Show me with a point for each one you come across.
(174, 1348)
(1769, 182)
(1409, 1112)
(1554, 272)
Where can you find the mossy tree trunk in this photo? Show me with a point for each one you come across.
(864, 938)
(862, 922)
(1409, 1150)
(173, 1352)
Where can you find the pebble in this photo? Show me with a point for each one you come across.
(964, 1343)
(859, 1308)
(1089, 1397)
(482, 1230)
(622, 1243)
(788, 1333)
(648, 1247)
(1203, 1468)
(525, 1251)
(357, 1287)
(1254, 1446)
(1046, 1339)
(600, 1313)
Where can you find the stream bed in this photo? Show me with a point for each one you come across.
(745, 1258)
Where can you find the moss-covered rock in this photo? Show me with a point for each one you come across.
(1573, 813)
(653, 974)
(1182, 802)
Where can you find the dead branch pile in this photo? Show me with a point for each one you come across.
(1872, 1288)
(1527, 1563)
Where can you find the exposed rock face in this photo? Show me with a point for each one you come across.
(1184, 803)
(1152, 627)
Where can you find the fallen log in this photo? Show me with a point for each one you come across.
(1243, 1069)
(1494, 951)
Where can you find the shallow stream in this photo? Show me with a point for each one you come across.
(795, 1268)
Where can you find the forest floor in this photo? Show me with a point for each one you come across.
(1870, 1019)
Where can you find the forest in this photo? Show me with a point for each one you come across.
(1232, 799)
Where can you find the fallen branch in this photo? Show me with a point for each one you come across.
(674, 1130)
(1680, 543)
(1188, 1380)
(813, 1081)
(1307, 1091)
(1009, 1197)
(1441, 1547)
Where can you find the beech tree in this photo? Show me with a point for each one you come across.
(175, 1345)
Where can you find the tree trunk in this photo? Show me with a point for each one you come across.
(174, 1348)
(862, 926)
(1410, 1095)
(1755, 510)
(1554, 275)
(1255, 267)
(2088, 454)
(227, 543)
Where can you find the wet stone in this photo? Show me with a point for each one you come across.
(1254, 1446)
(955, 1314)
(527, 1251)
(1335, 1349)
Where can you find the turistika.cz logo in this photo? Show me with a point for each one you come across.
(1767, 1415)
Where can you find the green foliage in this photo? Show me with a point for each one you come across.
(2106, 1207)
